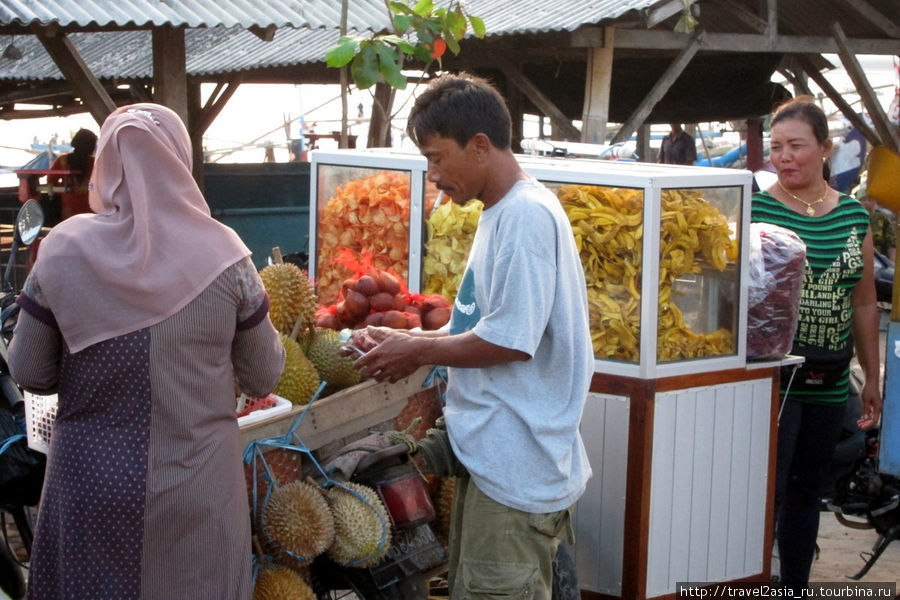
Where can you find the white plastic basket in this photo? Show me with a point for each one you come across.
(40, 414)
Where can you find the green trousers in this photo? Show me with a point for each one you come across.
(496, 551)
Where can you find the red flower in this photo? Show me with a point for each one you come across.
(440, 46)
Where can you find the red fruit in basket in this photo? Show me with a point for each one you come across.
(412, 309)
(413, 320)
(436, 318)
(374, 319)
(356, 303)
(258, 404)
(381, 302)
(436, 301)
(388, 283)
(395, 320)
(329, 321)
(367, 286)
(347, 285)
(343, 313)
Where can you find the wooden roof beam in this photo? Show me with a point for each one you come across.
(75, 70)
(659, 89)
(217, 100)
(883, 126)
(797, 81)
(806, 62)
(746, 16)
(874, 16)
(638, 39)
(558, 119)
(659, 13)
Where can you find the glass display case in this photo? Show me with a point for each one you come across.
(663, 247)
(367, 207)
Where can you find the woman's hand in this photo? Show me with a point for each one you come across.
(871, 406)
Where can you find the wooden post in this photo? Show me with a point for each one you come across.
(754, 144)
(169, 70)
(596, 90)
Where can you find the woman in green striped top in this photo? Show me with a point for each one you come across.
(837, 312)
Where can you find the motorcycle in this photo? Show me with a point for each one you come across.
(415, 554)
(860, 496)
(21, 468)
(416, 562)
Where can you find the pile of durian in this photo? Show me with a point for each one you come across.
(301, 521)
(313, 354)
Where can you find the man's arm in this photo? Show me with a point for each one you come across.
(399, 353)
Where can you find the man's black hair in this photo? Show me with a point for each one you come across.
(458, 107)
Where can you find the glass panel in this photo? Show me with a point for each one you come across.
(608, 227)
(448, 234)
(698, 273)
(363, 216)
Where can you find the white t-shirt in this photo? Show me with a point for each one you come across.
(515, 426)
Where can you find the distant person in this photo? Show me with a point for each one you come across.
(74, 200)
(882, 224)
(141, 317)
(678, 147)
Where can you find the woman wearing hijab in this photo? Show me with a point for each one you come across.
(142, 316)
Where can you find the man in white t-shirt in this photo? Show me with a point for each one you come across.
(518, 352)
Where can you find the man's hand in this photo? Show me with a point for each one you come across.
(391, 354)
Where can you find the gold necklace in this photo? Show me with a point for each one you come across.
(809, 205)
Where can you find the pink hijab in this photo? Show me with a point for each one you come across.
(152, 245)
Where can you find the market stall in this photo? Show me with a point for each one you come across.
(678, 422)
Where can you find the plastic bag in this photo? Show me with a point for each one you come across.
(776, 270)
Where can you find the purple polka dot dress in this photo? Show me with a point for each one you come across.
(144, 496)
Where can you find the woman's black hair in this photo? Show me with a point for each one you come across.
(458, 107)
(84, 142)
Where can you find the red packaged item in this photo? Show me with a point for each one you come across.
(776, 270)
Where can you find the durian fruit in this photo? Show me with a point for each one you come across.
(325, 353)
(299, 379)
(443, 508)
(362, 528)
(280, 583)
(297, 518)
(291, 296)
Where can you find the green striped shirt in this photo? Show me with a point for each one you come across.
(834, 265)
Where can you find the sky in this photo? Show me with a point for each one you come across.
(257, 113)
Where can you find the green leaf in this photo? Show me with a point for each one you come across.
(401, 7)
(342, 53)
(364, 68)
(390, 68)
(424, 8)
(399, 42)
(452, 44)
(451, 23)
(402, 22)
(422, 53)
(477, 26)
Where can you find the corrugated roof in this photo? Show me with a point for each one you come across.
(127, 54)
(539, 16)
(362, 14)
(210, 50)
